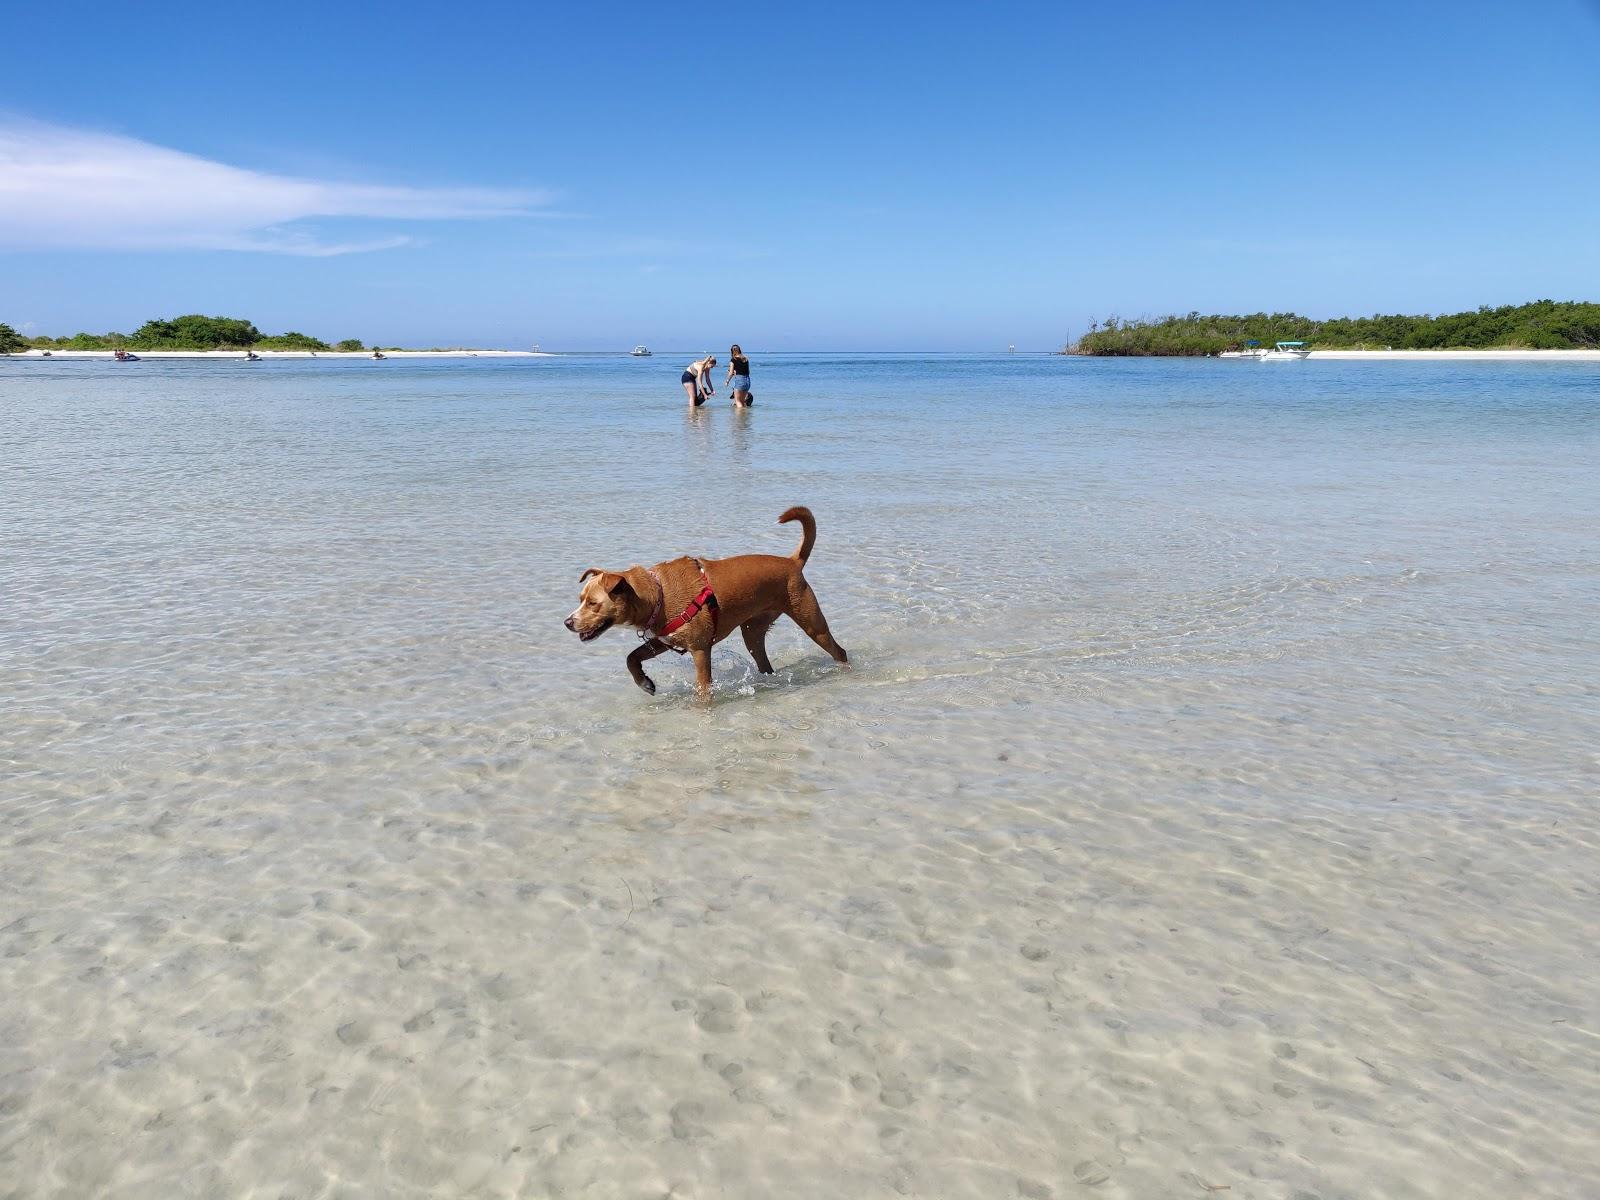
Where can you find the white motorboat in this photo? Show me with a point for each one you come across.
(640, 352)
(1286, 352)
(1252, 352)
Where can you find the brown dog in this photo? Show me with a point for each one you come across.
(691, 604)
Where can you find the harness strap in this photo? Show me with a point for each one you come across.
(706, 599)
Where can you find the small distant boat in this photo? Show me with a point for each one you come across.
(640, 352)
(379, 354)
(124, 356)
(251, 356)
(1286, 352)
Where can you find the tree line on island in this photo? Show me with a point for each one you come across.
(1541, 325)
(191, 332)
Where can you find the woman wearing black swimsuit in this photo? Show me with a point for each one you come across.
(696, 379)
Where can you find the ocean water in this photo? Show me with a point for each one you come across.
(1209, 802)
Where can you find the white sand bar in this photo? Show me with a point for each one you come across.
(37, 353)
(1461, 355)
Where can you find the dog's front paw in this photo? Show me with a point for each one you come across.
(648, 684)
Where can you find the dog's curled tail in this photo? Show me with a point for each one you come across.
(808, 530)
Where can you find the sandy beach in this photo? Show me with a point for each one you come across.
(240, 354)
(1459, 355)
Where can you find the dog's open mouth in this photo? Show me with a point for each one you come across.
(596, 631)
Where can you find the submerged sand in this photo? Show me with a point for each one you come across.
(1209, 810)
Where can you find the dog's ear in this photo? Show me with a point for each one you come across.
(621, 589)
(589, 572)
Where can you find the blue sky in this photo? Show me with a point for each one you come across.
(815, 176)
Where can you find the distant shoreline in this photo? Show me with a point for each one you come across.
(1507, 355)
(36, 352)
(1510, 354)
(1538, 325)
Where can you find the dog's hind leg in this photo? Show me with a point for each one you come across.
(755, 641)
(807, 613)
(643, 654)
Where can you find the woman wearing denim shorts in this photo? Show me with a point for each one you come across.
(739, 377)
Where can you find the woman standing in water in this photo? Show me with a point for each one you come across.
(739, 377)
(697, 379)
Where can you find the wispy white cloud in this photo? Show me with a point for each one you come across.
(63, 187)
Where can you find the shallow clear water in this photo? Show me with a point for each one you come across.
(1210, 800)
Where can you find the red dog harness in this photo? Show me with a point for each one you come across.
(706, 599)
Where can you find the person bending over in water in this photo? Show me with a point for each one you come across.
(697, 379)
(739, 377)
